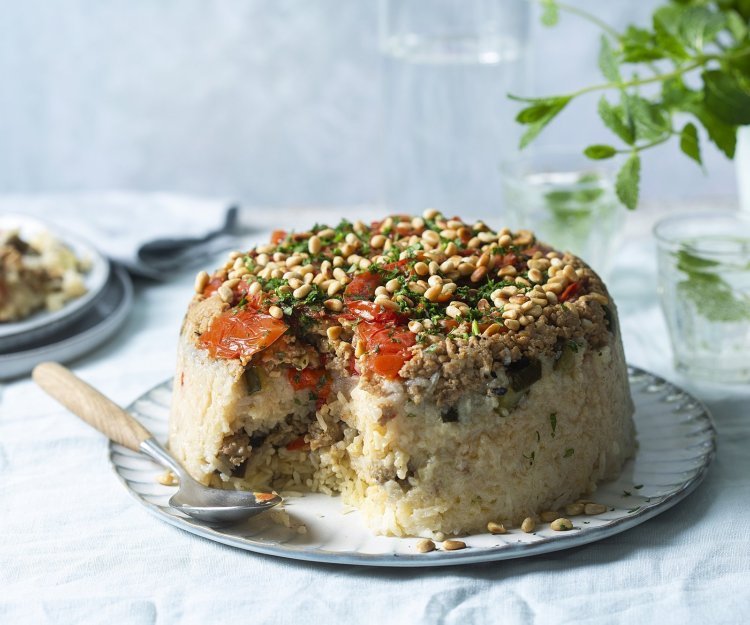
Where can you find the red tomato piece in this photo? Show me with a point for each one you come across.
(315, 380)
(399, 265)
(370, 311)
(297, 444)
(241, 333)
(212, 286)
(362, 286)
(570, 291)
(277, 236)
(387, 347)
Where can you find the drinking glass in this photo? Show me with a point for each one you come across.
(448, 67)
(704, 285)
(567, 201)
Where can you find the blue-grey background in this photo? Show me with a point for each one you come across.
(275, 102)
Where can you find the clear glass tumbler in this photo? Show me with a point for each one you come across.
(704, 284)
(568, 201)
(448, 66)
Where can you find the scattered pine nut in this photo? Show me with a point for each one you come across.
(454, 545)
(561, 525)
(425, 546)
(528, 525)
(594, 508)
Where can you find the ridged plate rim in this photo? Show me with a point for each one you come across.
(644, 386)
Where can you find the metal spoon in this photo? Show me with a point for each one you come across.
(211, 505)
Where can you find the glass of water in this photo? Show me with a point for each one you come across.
(704, 285)
(448, 66)
(568, 201)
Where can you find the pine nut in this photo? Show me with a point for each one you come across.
(334, 333)
(574, 509)
(512, 324)
(314, 245)
(496, 528)
(302, 291)
(334, 305)
(276, 312)
(225, 293)
(492, 330)
(479, 273)
(433, 292)
(594, 508)
(561, 525)
(201, 280)
(425, 546)
(431, 237)
(528, 525)
(454, 545)
(377, 241)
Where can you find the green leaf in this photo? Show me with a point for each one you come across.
(689, 142)
(650, 120)
(608, 61)
(538, 115)
(638, 46)
(699, 26)
(726, 97)
(550, 12)
(666, 35)
(723, 135)
(599, 152)
(713, 297)
(675, 94)
(628, 181)
(736, 25)
(614, 118)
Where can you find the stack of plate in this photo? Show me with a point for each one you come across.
(78, 327)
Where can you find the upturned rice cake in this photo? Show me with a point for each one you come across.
(438, 375)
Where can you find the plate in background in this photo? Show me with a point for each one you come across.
(676, 445)
(102, 319)
(17, 334)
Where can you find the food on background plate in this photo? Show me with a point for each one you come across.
(41, 273)
(439, 375)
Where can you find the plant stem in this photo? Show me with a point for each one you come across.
(642, 81)
(591, 18)
(646, 146)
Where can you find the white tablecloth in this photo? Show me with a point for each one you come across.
(76, 548)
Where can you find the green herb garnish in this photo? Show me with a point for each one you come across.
(696, 51)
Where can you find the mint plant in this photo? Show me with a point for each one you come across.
(690, 67)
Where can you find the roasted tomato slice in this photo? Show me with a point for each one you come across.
(570, 291)
(241, 333)
(277, 236)
(370, 311)
(212, 286)
(387, 347)
(297, 444)
(362, 286)
(315, 380)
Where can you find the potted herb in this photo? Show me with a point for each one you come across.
(690, 67)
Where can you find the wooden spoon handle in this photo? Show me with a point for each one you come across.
(90, 405)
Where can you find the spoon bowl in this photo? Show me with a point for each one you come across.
(210, 505)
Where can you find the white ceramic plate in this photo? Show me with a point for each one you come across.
(105, 316)
(676, 445)
(46, 323)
